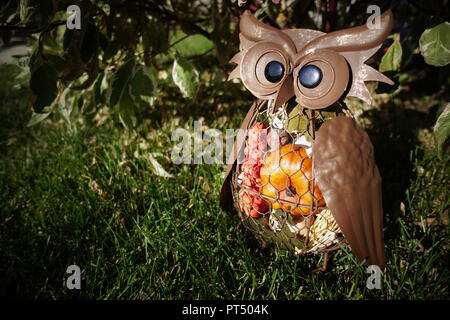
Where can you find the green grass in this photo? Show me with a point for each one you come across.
(90, 198)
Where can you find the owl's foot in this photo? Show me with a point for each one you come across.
(323, 268)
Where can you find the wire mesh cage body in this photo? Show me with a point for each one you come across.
(292, 151)
(274, 188)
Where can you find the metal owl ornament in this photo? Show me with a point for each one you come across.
(303, 174)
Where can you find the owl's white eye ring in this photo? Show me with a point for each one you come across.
(255, 73)
(275, 58)
(320, 79)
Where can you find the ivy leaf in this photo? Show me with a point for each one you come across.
(441, 130)
(23, 63)
(434, 45)
(393, 57)
(43, 86)
(185, 76)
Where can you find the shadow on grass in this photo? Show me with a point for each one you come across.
(394, 133)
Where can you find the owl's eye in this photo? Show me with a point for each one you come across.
(274, 71)
(264, 68)
(310, 76)
(321, 78)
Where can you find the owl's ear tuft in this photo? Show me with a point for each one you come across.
(245, 43)
(354, 39)
(356, 45)
(254, 30)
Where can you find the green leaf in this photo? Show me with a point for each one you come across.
(56, 62)
(43, 86)
(442, 130)
(37, 117)
(99, 96)
(72, 41)
(127, 112)
(64, 106)
(393, 57)
(23, 7)
(138, 89)
(51, 43)
(296, 122)
(120, 81)
(23, 77)
(143, 86)
(193, 45)
(120, 94)
(434, 45)
(185, 76)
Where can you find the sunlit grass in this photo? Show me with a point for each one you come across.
(91, 198)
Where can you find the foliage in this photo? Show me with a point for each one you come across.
(435, 45)
(442, 129)
(188, 39)
(85, 126)
(185, 76)
(393, 56)
(121, 46)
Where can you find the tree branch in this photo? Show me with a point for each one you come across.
(33, 29)
(170, 16)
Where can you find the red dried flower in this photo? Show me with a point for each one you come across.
(255, 146)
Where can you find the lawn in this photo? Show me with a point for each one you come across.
(88, 196)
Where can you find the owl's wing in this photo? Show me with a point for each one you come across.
(345, 169)
(226, 198)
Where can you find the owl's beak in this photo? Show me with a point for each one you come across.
(285, 92)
